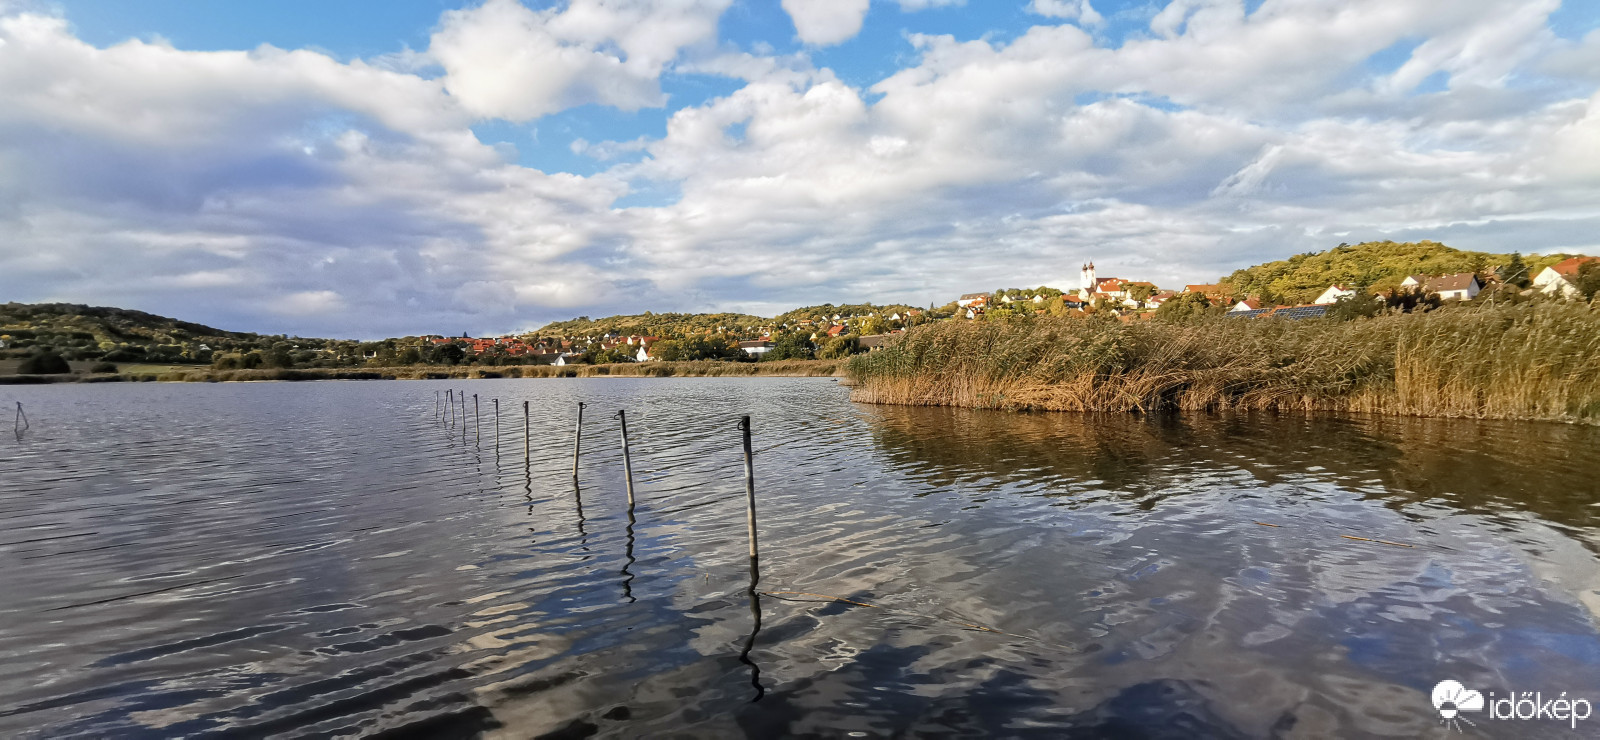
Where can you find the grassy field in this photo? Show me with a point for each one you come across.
(193, 374)
(1529, 361)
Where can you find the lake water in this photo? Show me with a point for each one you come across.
(332, 559)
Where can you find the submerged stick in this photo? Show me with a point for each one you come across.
(627, 463)
(577, 441)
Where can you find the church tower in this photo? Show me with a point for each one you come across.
(1086, 282)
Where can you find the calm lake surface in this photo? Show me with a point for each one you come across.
(331, 559)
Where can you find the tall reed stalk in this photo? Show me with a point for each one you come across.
(1527, 361)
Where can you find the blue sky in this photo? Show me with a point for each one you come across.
(383, 168)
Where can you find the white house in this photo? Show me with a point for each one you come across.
(1462, 286)
(1332, 294)
(756, 349)
(972, 298)
(1248, 304)
(1559, 277)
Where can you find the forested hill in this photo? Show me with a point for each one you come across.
(686, 324)
(104, 324)
(652, 324)
(1375, 265)
(79, 332)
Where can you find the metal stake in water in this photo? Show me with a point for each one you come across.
(627, 463)
(577, 441)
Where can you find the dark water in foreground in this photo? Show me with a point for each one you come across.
(328, 559)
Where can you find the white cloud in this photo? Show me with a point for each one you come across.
(1078, 10)
(504, 60)
(308, 303)
(826, 22)
(285, 190)
(912, 6)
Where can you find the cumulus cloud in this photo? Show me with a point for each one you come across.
(290, 191)
(505, 60)
(826, 22)
(1078, 10)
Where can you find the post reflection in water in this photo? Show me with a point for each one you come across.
(234, 559)
(755, 630)
(627, 577)
(577, 504)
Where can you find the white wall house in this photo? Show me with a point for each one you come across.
(1332, 295)
(756, 349)
(971, 298)
(1248, 304)
(1558, 279)
(1462, 286)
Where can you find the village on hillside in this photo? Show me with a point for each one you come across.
(829, 334)
(1383, 278)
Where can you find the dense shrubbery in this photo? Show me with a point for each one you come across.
(44, 363)
(1536, 360)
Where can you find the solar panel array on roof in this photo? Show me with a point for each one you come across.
(1249, 314)
(1303, 312)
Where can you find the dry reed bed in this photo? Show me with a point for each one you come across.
(1529, 361)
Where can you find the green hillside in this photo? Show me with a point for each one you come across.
(1374, 266)
(81, 333)
(653, 324)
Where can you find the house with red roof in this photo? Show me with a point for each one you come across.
(1561, 278)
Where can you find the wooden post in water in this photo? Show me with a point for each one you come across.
(755, 561)
(577, 440)
(22, 419)
(750, 499)
(477, 428)
(450, 399)
(627, 463)
(497, 426)
(527, 457)
(436, 408)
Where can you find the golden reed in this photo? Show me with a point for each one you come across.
(1537, 360)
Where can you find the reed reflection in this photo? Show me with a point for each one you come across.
(1477, 467)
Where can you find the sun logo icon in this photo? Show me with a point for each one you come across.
(1451, 699)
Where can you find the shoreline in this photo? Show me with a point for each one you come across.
(702, 369)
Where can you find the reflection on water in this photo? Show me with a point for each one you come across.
(338, 558)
